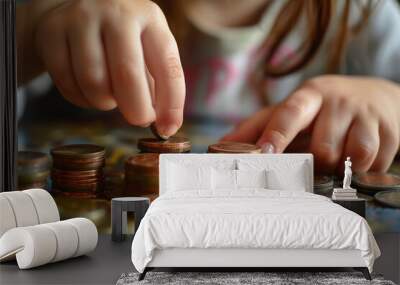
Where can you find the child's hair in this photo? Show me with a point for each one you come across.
(318, 15)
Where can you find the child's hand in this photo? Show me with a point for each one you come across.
(347, 116)
(104, 54)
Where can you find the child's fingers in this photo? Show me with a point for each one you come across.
(89, 64)
(388, 147)
(329, 135)
(362, 142)
(289, 118)
(251, 129)
(128, 71)
(163, 61)
(50, 38)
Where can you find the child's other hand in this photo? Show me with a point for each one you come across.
(346, 116)
(108, 54)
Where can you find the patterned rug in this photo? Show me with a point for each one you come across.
(268, 278)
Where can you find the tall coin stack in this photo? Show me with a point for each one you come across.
(78, 170)
(141, 170)
(33, 169)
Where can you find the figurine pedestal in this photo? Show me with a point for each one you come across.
(355, 205)
(344, 194)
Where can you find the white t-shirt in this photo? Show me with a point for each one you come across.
(223, 65)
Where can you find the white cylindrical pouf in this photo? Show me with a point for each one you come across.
(45, 205)
(23, 208)
(7, 218)
(87, 235)
(34, 245)
(67, 239)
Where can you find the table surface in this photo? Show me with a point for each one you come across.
(103, 266)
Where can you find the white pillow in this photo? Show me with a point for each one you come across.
(251, 179)
(183, 177)
(224, 179)
(282, 174)
(296, 181)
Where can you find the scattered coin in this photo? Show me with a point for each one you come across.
(233, 147)
(172, 145)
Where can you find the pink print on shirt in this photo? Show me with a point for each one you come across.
(228, 78)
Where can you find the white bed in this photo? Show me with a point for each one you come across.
(202, 220)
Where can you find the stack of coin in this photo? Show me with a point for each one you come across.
(233, 147)
(171, 145)
(78, 170)
(141, 174)
(141, 170)
(33, 169)
(323, 185)
(372, 182)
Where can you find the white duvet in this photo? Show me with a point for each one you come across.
(250, 219)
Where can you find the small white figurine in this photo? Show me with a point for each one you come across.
(347, 174)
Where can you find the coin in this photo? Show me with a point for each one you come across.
(372, 182)
(154, 130)
(41, 185)
(141, 174)
(78, 151)
(32, 169)
(35, 177)
(323, 185)
(78, 168)
(389, 197)
(32, 157)
(71, 174)
(233, 147)
(172, 145)
(144, 163)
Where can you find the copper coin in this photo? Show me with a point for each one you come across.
(78, 160)
(81, 195)
(154, 131)
(90, 187)
(142, 162)
(81, 181)
(172, 145)
(78, 166)
(377, 180)
(233, 147)
(78, 150)
(76, 173)
(33, 177)
(40, 185)
(32, 158)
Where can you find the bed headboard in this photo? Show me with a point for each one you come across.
(284, 164)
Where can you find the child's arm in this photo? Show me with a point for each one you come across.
(347, 116)
(104, 54)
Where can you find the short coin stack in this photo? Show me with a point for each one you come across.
(233, 147)
(323, 185)
(78, 170)
(33, 169)
(141, 170)
(141, 174)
